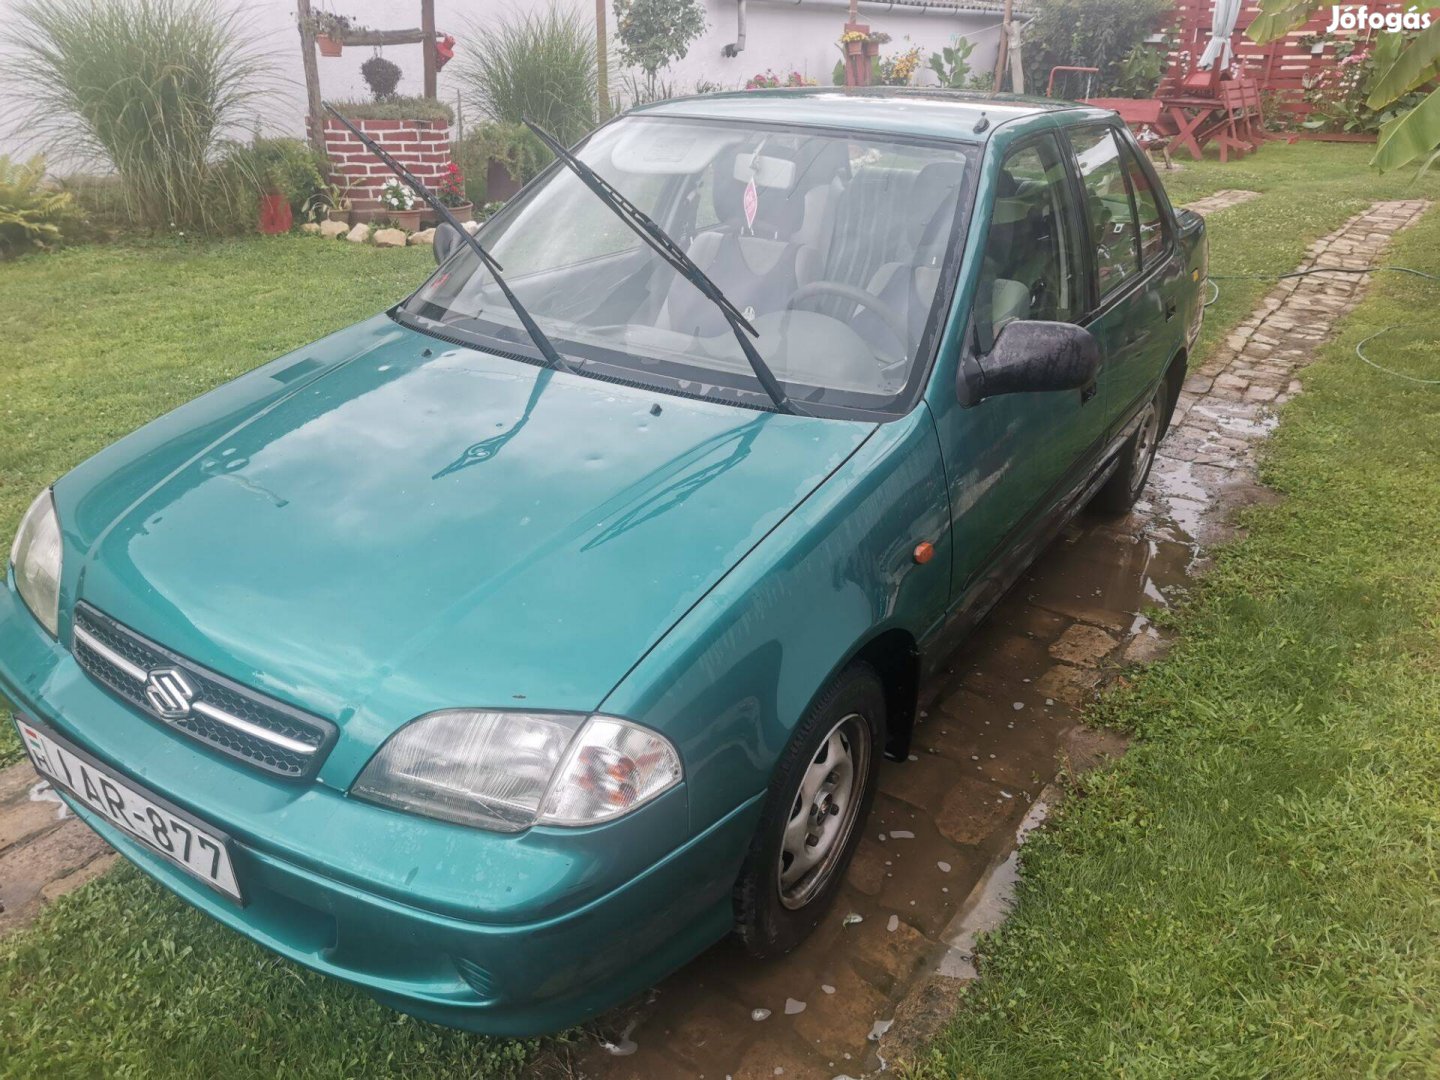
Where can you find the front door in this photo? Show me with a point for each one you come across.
(1010, 458)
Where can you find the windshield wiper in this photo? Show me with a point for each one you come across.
(547, 350)
(645, 227)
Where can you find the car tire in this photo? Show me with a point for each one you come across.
(1122, 490)
(819, 797)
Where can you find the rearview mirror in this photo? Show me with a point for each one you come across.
(447, 239)
(1031, 357)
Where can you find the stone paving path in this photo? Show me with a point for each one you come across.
(1008, 710)
(45, 851)
(1222, 200)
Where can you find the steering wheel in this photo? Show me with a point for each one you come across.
(888, 315)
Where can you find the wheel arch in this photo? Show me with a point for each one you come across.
(895, 655)
(1174, 379)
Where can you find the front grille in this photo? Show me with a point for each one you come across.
(221, 714)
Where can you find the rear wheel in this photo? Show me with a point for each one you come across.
(1136, 457)
(820, 794)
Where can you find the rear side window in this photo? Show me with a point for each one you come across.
(1152, 222)
(1114, 233)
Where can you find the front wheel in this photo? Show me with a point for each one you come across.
(819, 795)
(1123, 488)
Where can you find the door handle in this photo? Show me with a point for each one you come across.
(1169, 310)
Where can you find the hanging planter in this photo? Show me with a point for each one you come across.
(329, 31)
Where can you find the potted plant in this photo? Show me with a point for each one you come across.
(451, 192)
(512, 156)
(331, 203)
(329, 30)
(397, 203)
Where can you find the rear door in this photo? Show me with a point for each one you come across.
(1131, 246)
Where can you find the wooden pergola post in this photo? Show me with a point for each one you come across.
(427, 46)
(314, 122)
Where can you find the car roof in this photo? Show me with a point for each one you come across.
(924, 111)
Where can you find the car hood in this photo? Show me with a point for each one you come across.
(422, 527)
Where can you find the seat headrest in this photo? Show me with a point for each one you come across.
(932, 203)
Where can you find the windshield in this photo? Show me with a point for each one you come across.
(834, 246)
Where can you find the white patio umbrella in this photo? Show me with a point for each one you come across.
(1222, 25)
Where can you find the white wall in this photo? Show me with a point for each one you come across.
(782, 35)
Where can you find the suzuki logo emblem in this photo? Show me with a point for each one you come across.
(169, 693)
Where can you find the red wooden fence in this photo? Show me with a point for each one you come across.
(1285, 68)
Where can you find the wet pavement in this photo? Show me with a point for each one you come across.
(1001, 724)
(937, 859)
(1001, 719)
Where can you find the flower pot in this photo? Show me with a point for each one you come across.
(429, 219)
(854, 48)
(275, 214)
(499, 184)
(409, 220)
(338, 215)
(328, 46)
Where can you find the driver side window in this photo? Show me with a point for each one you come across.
(1031, 268)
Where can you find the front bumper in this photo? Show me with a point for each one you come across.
(506, 934)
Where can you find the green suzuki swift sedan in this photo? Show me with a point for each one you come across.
(502, 652)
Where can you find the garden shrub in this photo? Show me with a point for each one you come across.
(1088, 33)
(513, 146)
(288, 166)
(146, 87)
(31, 215)
(534, 66)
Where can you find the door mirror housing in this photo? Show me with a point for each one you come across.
(1031, 357)
(447, 239)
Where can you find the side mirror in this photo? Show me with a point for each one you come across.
(1032, 357)
(447, 239)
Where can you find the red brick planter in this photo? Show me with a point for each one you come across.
(422, 146)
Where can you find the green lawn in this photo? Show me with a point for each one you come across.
(1254, 890)
(120, 978)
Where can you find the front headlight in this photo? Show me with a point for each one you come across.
(35, 558)
(510, 770)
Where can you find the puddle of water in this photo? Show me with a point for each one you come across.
(43, 792)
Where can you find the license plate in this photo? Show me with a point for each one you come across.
(175, 836)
